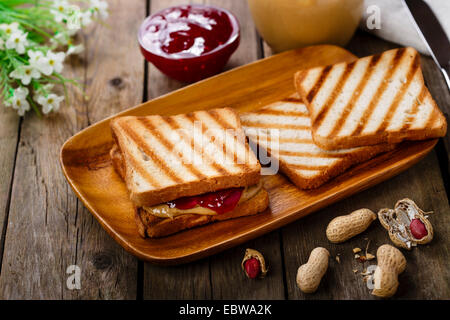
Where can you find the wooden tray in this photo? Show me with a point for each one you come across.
(87, 167)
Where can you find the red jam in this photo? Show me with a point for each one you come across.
(221, 201)
(189, 42)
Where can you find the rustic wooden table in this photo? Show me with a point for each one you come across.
(45, 228)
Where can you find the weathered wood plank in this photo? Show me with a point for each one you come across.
(114, 82)
(222, 267)
(422, 183)
(9, 134)
(48, 229)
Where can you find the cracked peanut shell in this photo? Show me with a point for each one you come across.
(391, 262)
(398, 223)
(252, 253)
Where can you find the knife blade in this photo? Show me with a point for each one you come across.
(432, 34)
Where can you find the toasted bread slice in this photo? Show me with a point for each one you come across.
(152, 226)
(166, 158)
(376, 99)
(299, 158)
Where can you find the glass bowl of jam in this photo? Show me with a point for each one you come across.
(189, 42)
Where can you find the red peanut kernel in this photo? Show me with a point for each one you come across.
(252, 268)
(418, 229)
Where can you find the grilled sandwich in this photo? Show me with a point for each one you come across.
(187, 170)
(376, 99)
(306, 165)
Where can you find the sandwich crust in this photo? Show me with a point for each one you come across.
(117, 161)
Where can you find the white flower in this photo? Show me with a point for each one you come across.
(86, 18)
(49, 102)
(74, 19)
(55, 60)
(25, 74)
(75, 49)
(100, 8)
(60, 10)
(47, 64)
(17, 41)
(9, 29)
(19, 101)
(40, 62)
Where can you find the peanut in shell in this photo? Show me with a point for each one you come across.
(310, 274)
(342, 228)
(391, 262)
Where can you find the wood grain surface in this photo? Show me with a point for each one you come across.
(45, 228)
(9, 136)
(48, 229)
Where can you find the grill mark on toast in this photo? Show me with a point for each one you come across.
(291, 100)
(337, 125)
(311, 154)
(399, 96)
(143, 172)
(143, 145)
(281, 153)
(300, 76)
(333, 95)
(192, 118)
(257, 138)
(169, 145)
(274, 126)
(431, 118)
(407, 123)
(222, 122)
(174, 125)
(373, 103)
(294, 140)
(435, 114)
(226, 125)
(280, 140)
(280, 113)
(323, 75)
(223, 125)
(285, 140)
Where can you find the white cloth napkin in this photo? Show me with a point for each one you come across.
(396, 25)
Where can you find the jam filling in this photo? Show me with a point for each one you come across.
(187, 31)
(221, 201)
